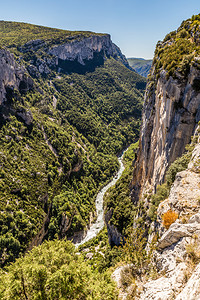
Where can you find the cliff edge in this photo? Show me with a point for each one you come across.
(171, 108)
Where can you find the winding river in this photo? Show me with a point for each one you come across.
(99, 224)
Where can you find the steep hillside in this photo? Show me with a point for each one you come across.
(68, 105)
(170, 116)
(140, 65)
(171, 108)
(168, 267)
(163, 245)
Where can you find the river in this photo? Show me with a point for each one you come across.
(99, 224)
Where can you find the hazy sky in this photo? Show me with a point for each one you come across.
(134, 25)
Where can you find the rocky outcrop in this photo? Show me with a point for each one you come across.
(117, 54)
(25, 116)
(192, 289)
(86, 53)
(173, 260)
(165, 287)
(179, 244)
(80, 55)
(83, 49)
(114, 236)
(176, 232)
(14, 82)
(177, 253)
(12, 77)
(170, 116)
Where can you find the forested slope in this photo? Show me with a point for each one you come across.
(60, 129)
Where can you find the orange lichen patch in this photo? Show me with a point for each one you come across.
(169, 217)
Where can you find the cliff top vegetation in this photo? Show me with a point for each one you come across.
(15, 34)
(179, 49)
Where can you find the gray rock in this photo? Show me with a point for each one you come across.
(26, 116)
(33, 45)
(89, 255)
(165, 287)
(192, 289)
(170, 117)
(11, 75)
(82, 49)
(195, 219)
(33, 71)
(114, 236)
(176, 232)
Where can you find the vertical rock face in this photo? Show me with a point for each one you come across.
(81, 54)
(170, 115)
(12, 76)
(172, 106)
(86, 50)
(83, 49)
(13, 82)
(8, 76)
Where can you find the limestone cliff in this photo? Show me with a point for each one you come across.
(170, 117)
(170, 114)
(80, 54)
(177, 253)
(12, 76)
(14, 82)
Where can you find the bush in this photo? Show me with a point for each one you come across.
(169, 217)
(178, 165)
(134, 250)
(127, 277)
(54, 271)
(178, 49)
(193, 252)
(161, 194)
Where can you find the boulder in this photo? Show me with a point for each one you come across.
(176, 232)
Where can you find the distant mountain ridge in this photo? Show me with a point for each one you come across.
(140, 65)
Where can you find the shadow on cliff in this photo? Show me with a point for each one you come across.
(73, 66)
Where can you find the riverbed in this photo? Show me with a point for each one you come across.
(99, 224)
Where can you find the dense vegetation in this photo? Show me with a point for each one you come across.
(54, 271)
(52, 167)
(105, 106)
(30, 180)
(118, 198)
(15, 34)
(179, 50)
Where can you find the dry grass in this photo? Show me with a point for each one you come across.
(193, 252)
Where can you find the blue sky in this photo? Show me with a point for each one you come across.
(135, 26)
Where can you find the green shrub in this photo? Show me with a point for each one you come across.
(54, 271)
(178, 165)
(162, 192)
(178, 49)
